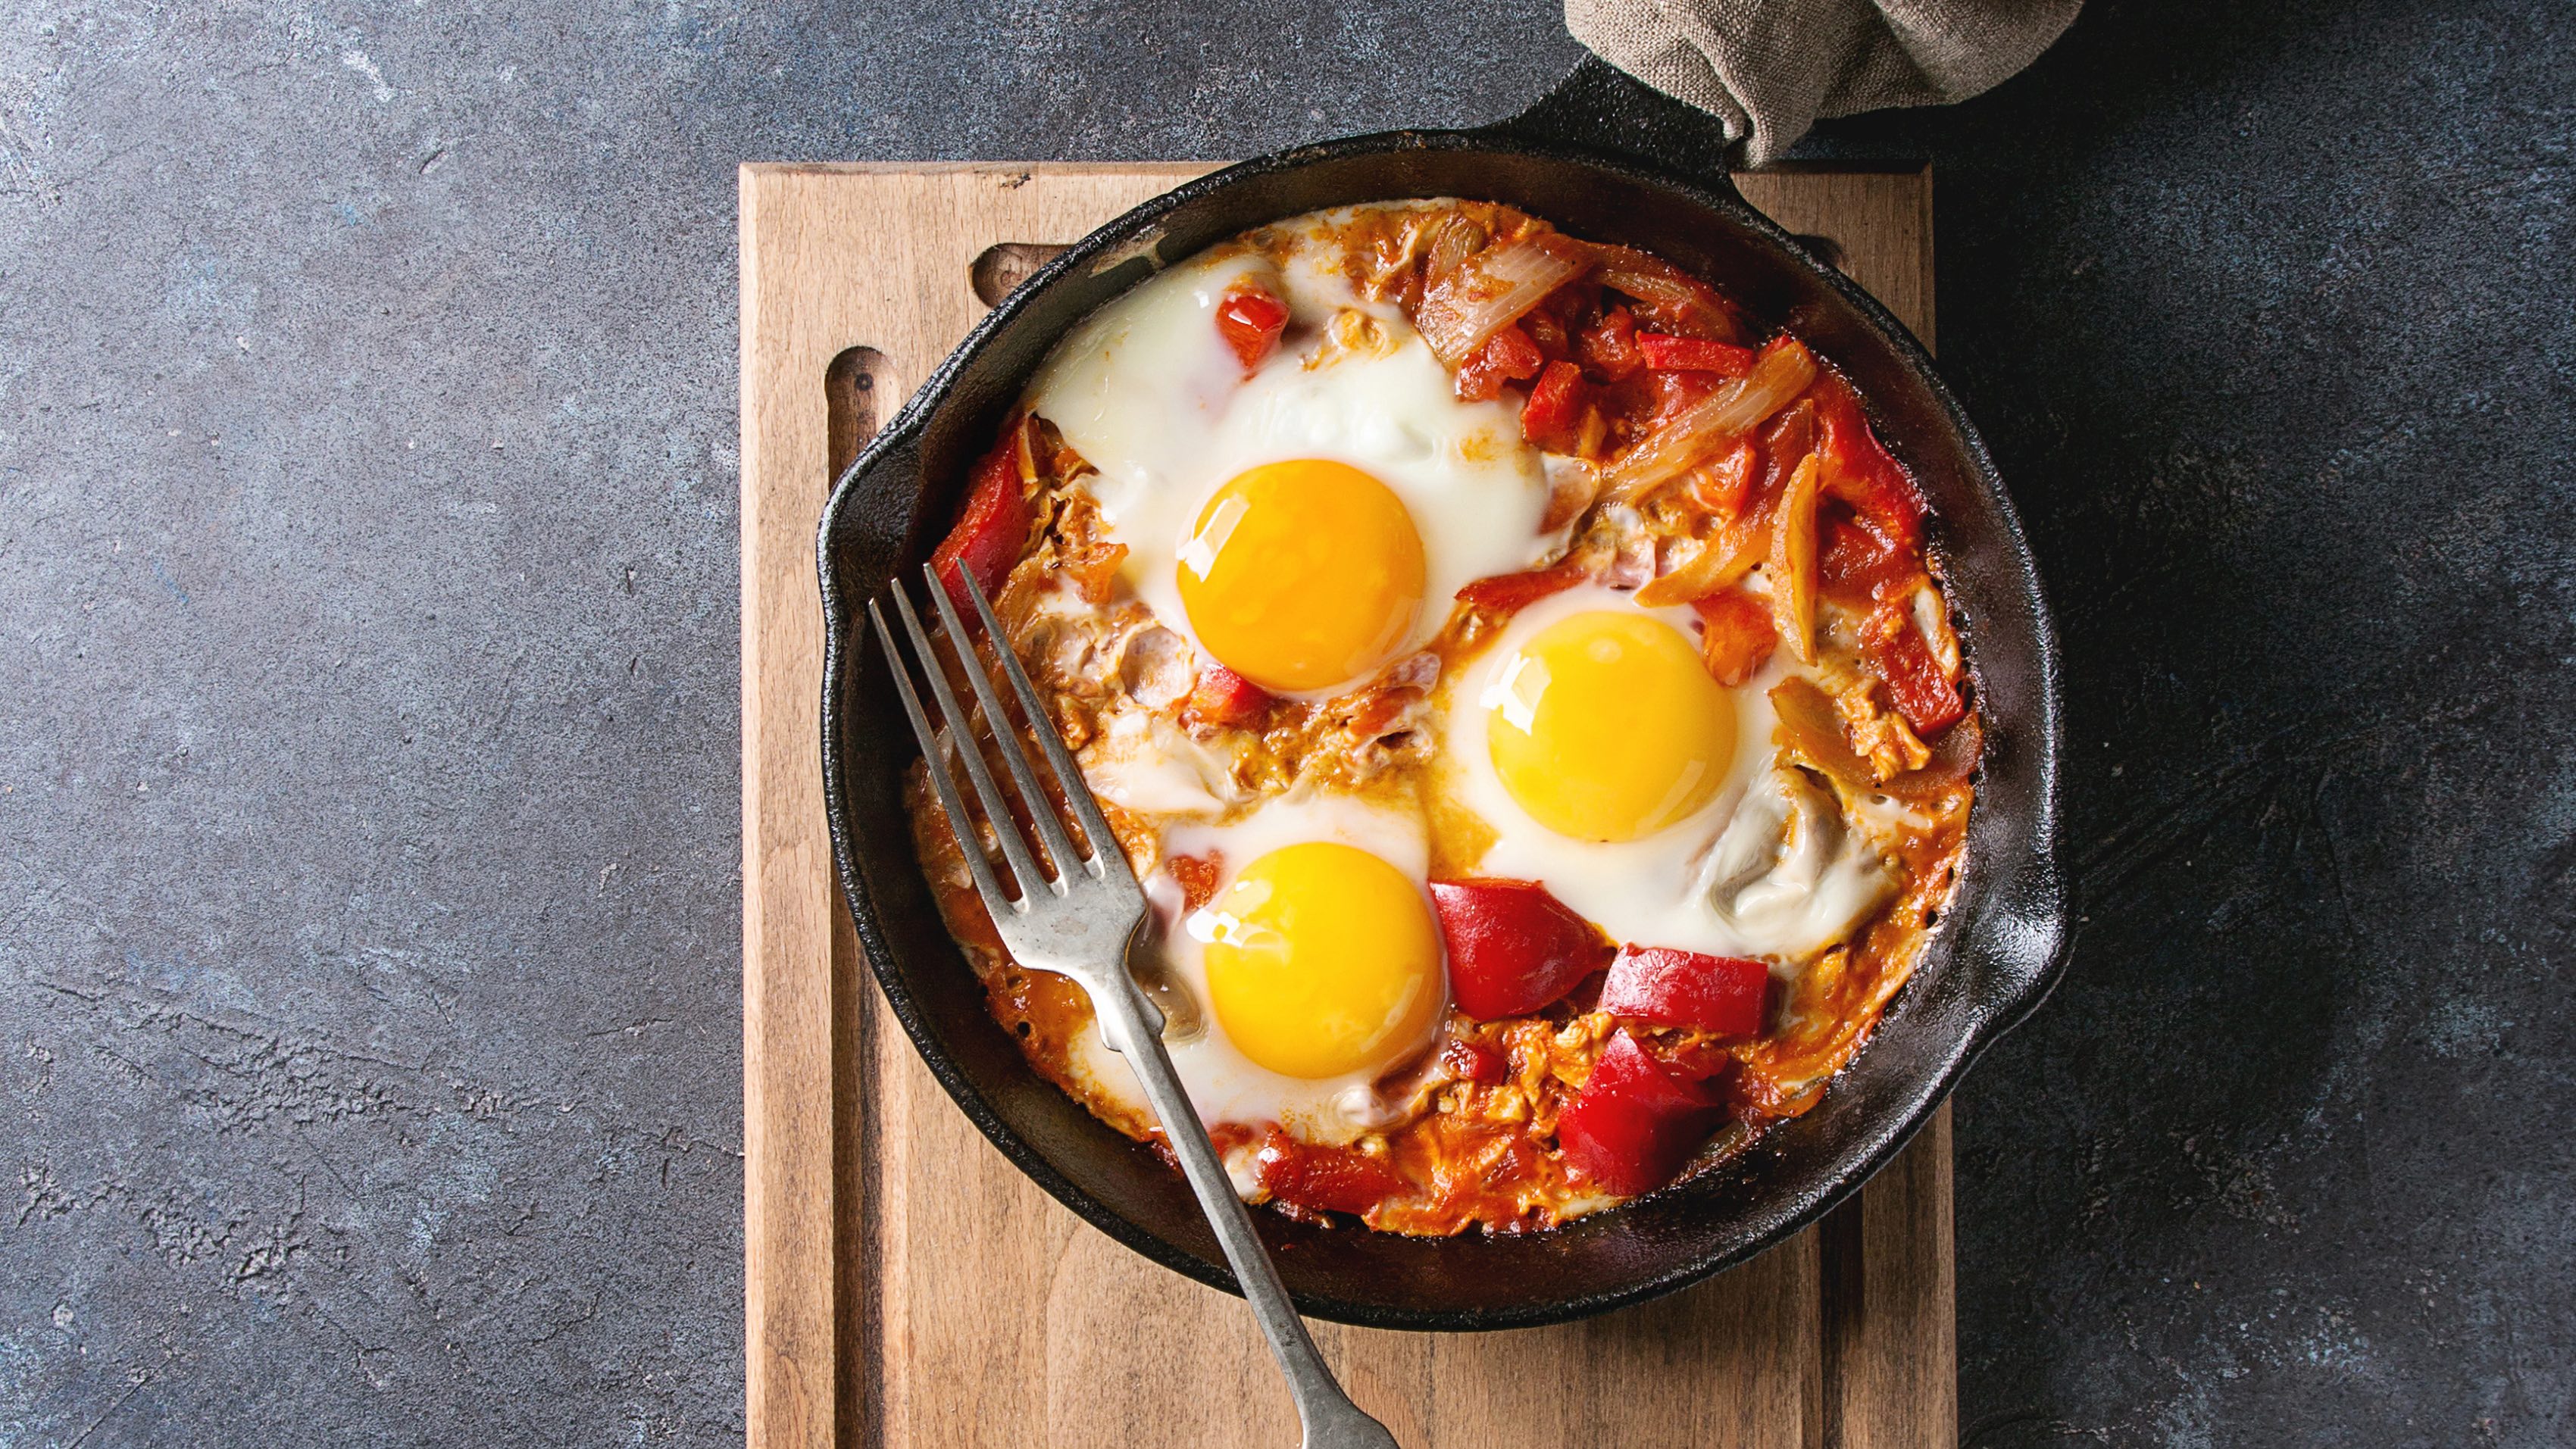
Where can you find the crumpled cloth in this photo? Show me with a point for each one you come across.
(1770, 69)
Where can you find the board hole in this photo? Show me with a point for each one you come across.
(857, 395)
(1004, 265)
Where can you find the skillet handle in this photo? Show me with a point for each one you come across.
(1599, 107)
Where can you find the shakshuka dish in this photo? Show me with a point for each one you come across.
(1517, 678)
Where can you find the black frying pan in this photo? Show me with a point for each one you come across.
(1607, 159)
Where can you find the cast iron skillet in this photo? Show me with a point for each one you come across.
(1604, 158)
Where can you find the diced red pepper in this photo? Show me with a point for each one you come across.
(1665, 986)
(1855, 565)
(1513, 948)
(1666, 353)
(1223, 697)
(991, 529)
(1736, 635)
(1324, 1179)
(1508, 593)
(1250, 318)
(1916, 683)
(1609, 347)
(1475, 1062)
(1509, 356)
(1555, 405)
(1634, 1123)
(1858, 469)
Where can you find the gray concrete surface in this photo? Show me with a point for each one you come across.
(369, 1053)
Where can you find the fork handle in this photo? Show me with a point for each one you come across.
(1331, 1420)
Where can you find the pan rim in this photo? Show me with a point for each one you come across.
(1135, 235)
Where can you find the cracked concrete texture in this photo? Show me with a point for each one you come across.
(368, 886)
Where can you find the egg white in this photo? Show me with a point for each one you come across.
(1146, 390)
(1223, 1084)
(1728, 880)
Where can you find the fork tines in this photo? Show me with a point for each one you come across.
(956, 739)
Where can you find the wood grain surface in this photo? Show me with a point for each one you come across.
(904, 1285)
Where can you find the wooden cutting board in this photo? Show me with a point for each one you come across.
(904, 1285)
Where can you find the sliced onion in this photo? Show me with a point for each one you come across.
(1812, 730)
(1698, 431)
(1792, 565)
(1457, 240)
(1494, 289)
(1727, 555)
(1677, 300)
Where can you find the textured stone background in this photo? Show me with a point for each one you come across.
(368, 1022)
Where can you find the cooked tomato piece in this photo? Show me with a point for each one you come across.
(1198, 876)
(1664, 986)
(991, 529)
(1547, 331)
(1916, 683)
(1634, 1123)
(1856, 565)
(1515, 1163)
(1324, 1179)
(1250, 320)
(1725, 486)
(1736, 635)
(1670, 393)
(1513, 948)
(1093, 570)
(1223, 697)
(1786, 441)
(1608, 347)
(1858, 468)
(1510, 356)
(1475, 1062)
(1507, 593)
(1666, 353)
(1555, 406)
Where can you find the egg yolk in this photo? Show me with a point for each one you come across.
(1321, 959)
(1302, 575)
(1606, 726)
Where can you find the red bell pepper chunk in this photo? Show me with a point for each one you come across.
(1509, 356)
(1634, 1123)
(1507, 593)
(1474, 1062)
(1513, 948)
(1250, 319)
(1554, 406)
(991, 529)
(1663, 986)
(1858, 469)
(1324, 1179)
(1666, 353)
(1916, 684)
(1224, 697)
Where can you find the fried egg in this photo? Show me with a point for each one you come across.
(1307, 524)
(1312, 972)
(1591, 741)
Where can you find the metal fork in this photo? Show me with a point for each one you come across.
(1083, 916)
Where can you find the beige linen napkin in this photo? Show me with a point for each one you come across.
(1770, 68)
